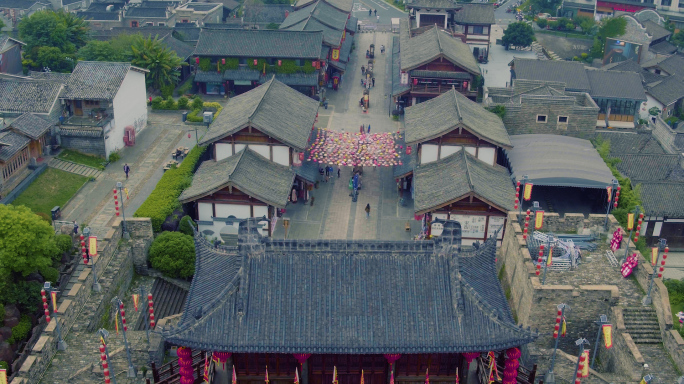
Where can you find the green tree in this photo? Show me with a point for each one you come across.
(519, 34)
(678, 39)
(163, 63)
(76, 28)
(584, 22)
(173, 253)
(609, 27)
(2, 25)
(27, 243)
(97, 50)
(53, 58)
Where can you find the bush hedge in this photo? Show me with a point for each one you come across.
(196, 115)
(173, 253)
(25, 295)
(64, 243)
(45, 217)
(50, 274)
(186, 225)
(20, 331)
(164, 198)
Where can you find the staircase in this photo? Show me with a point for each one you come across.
(642, 325)
(70, 167)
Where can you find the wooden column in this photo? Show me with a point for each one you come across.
(305, 372)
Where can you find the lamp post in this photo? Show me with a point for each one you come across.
(119, 307)
(522, 183)
(96, 284)
(581, 342)
(550, 256)
(603, 319)
(640, 215)
(662, 247)
(550, 378)
(143, 295)
(614, 190)
(119, 186)
(104, 335)
(61, 344)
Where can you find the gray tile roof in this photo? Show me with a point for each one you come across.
(37, 96)
(52, 76)
(616, 84)
(20, 4)
(408, 162)
(319, 16)
(669, 90)
(572, 73)
(244, 74)
(475, 13)
(433, 4)
(431, 44)
(209, 77)
(663, 48)
(272, 108)
(655, 30)
(558, 161)
(663, 199)
(672, 64)
(312, 296)
(95, 80)
(436, 117)
(267, 13)
(622, 143)
(259, 43)
(440, 74)
(296, 79)
(397, 87)
(182, 49)
(16, 142)
(147, 12)
(99, 15)
(307, 171)
(246, 170)
(652, 167)
(454, 177)
(31, 125)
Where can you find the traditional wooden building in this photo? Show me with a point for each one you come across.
(238, 187)
(238, 60)
(23, 139)
(323, 306)
(433, 62)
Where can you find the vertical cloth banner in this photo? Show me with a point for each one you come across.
(136, 301)
(654, 256)
(564, 328)
(427, 376)
(296, 376)
(527, 192)
(266, 378)
(234, 375)
(608, 335)
(538, 219)
(53, 295)
(334, 381)
(549, 260)
(630, 221)
(362, 376)
(92, 245)
(609, 190)
(3, 376)
(116, 322)
(585, 367)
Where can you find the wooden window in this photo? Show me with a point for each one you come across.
(562, 119)
(134, 24)
(541, 118)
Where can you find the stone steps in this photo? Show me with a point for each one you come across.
(642, 325)
(68, 166)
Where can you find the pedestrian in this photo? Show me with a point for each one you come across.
(362, 84)
(373, 80)
(75, 228)
(369, 12)
(368, 128)
(361, 129)
(377, 18)
(311, 200)
(363, 70)
(367, 211)
(338, 173)
(382, 49)
(126, 169)
(376, 12)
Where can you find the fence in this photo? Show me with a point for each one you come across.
(371, 27)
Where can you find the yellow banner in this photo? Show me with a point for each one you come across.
(630, 221)
(564, 329)
(549, 260)
(336, 54)
(585, 367)
(654, 256)
(116, 322)
(610, 193)
(136, 301)
(3, 376)
(53, 295)
(538, 219)
(527, 192)
(92, 245)
(608, 335)
(362, 376)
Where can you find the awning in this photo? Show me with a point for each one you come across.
(558, 161)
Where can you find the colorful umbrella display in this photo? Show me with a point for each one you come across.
(355, 149)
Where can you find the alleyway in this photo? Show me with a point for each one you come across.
(333, 214)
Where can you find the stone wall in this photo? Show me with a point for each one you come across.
(535, 304)
(83, 140)
(665, 136)
(522, 118)
(115, 258)
(572, 222)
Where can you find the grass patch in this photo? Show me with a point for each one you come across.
(82, 158)
(502, 272)
(53, 187)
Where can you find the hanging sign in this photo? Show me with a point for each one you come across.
(53, 295)
(610, 192)
(3, 376)
(527, 192)
(538, 219)
(136, 301)
(549, 260)
(654, 256)
(404, 78)
(336, 54)
(630, 221)
(564, 328)
(92, 245)
(608, 335)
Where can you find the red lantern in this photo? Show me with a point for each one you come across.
(196, 60)
(301, 156)
(280, 63)
(223, 61)
(465, 85)
(256, 62)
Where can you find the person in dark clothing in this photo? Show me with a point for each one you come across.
(375, 11)
(367, 209)
(369, 12)
(75, 228)
(373, 80)
(126, 169)
(338, 173)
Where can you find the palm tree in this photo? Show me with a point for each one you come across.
(76, 28)
(163, 63)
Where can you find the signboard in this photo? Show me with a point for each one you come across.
(404, 78)
(496, 222)
(336, 54)
(92, 245)
(620, 50)
(471, 225)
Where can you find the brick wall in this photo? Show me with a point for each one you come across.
(522, 118)
(117, 257)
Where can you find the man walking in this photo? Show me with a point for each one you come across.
(369, 12)
(373, 80)
(368, 128)
(126, 170)
(376, 12)
(367, 211)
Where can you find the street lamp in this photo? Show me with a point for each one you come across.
(61, 344)
(550, 378)
(581, 342)
(119, 186)
(119, 308)
(549, 257)
(103, 336)
(661, 248)
(637, 214)
(603, 319)
(96, 284)
(614, 190)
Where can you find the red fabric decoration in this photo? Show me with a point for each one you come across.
(196, 60)
(223, 61)
(301, 357)
(392, 357)
(184, 352)
(186, 371)
(470, 356)
(222, 356)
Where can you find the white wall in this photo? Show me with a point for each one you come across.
(263, 150)
(419, 13)
(471, 150)
(130, 108)
(449, 150)
(206, 211)
(281, 154)
(428, 153)
(650, 103)
(223, 150)
(487, 155)
(239, 211)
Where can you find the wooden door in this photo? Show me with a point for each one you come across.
(78, 108)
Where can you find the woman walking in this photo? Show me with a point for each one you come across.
(367, 211)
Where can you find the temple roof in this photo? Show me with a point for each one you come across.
(348, 297)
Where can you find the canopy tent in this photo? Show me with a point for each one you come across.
(558, 161)
(354, 149)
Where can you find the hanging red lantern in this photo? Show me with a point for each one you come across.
(408, 150)
(223, 61)
(196, 60)
(280, 63)
(256, 62)
(301, 156)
